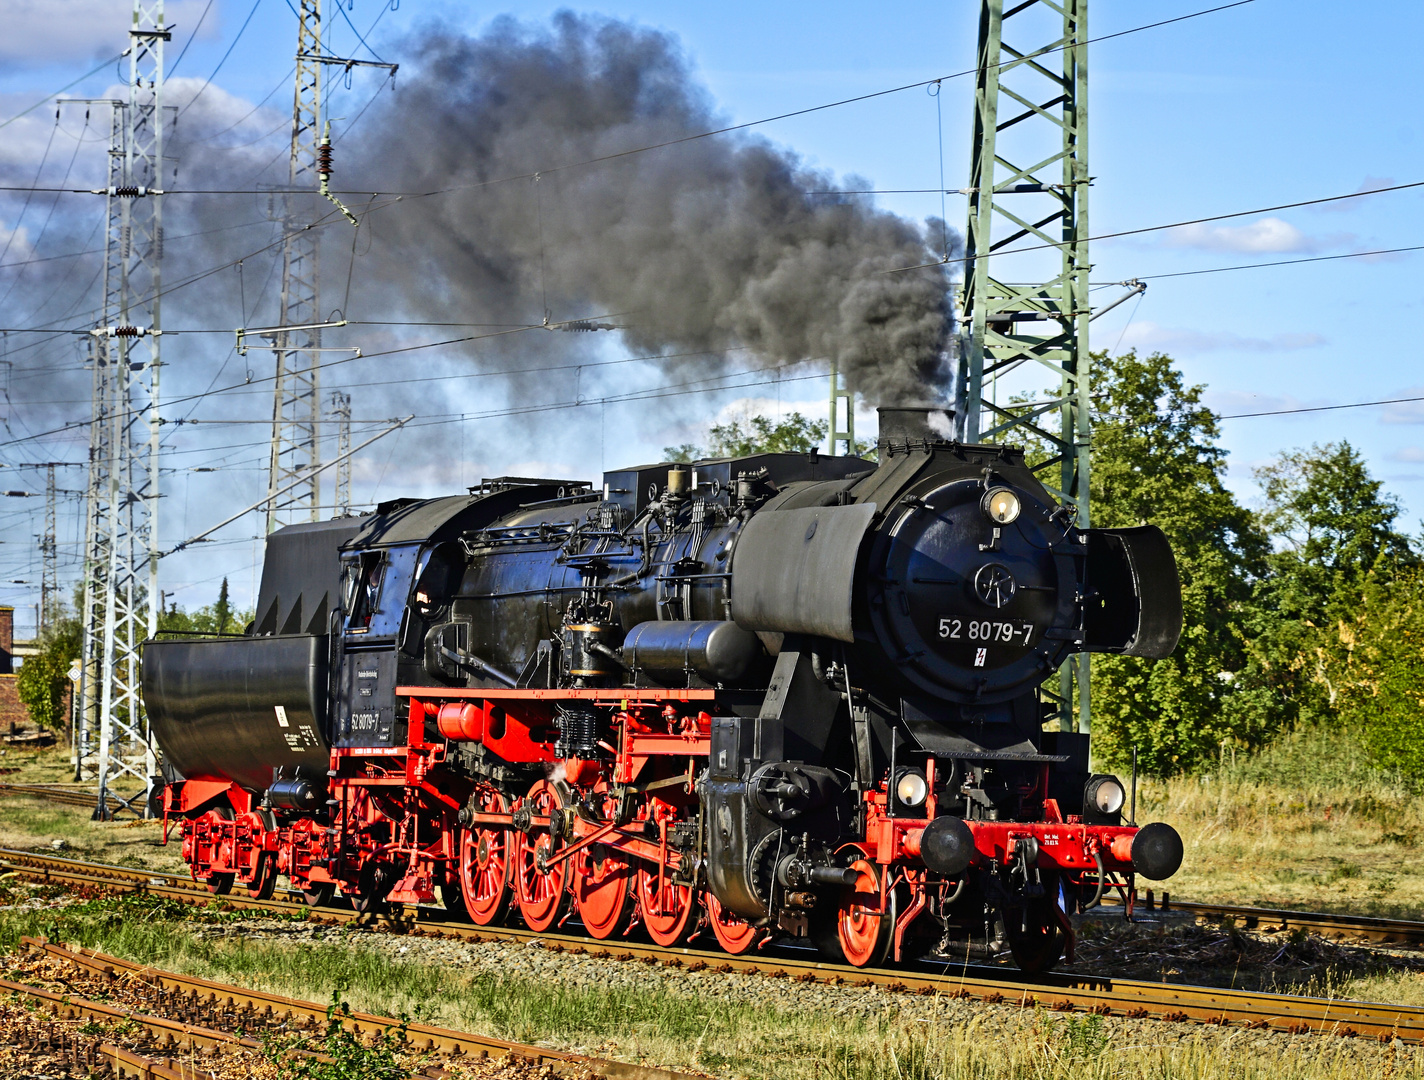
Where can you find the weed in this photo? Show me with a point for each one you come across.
(339, 1054)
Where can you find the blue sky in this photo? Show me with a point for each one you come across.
(1264, 104)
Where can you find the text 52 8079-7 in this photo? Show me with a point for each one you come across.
(1009, 633)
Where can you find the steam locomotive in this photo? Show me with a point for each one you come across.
(784, 694)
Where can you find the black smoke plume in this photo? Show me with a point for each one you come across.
(705, 245)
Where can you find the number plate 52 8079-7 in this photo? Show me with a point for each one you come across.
(1008, 633)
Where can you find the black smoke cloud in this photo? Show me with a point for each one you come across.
(705, 245)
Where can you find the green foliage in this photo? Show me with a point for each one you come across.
(760, 435)
(1333, 527)
(218, 617)
(1156, 460)
(343, 1054)
(43, 679)
(1374, 674)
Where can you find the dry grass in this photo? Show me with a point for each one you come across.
(36, 824)
(1308, 824)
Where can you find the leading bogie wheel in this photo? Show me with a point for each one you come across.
(484, 872)
(863, 929)
(1036, 937)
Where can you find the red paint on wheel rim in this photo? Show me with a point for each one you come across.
(484, 863)
(732, 932)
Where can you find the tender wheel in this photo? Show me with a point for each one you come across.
(264, 878)
(862, 930)
(485, 863)
(543, 892)
(219, 882)
(732, 932)
(319, 893)
(667, 910)
(258, 869)
(1039, 946)
(602, 882)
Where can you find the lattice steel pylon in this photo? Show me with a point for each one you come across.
(121, 545)
(49, 553)
(842, 413)
(296, 409)
(341, 410)
(1031, 107)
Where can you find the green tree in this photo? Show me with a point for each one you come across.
(218, 617)
(43, 678)
(1156, 459)
(1333, 530)
(222, 610)
(1372, 667)
(760, 435)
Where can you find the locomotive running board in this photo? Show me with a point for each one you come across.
(602, 693)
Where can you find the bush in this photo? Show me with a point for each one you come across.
(43, 678)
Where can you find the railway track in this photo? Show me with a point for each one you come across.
(1341, 927)
(59, 793)
(186, 1014)
(1103, 995)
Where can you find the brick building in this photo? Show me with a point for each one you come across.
(11, 710)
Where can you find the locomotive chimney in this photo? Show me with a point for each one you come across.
(903, 424)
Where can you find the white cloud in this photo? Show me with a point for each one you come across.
(39, 32)
(1370, 183)
(1270, 235)
(1411, 454)
(1406, 412)
(1147, 335)
(15, 244)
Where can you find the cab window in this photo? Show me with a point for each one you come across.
(361, 578)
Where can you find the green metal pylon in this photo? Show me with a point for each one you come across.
(1031, 105)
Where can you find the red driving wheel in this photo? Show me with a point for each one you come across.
(732, 932)
(542, 891)
(667, 907)
(484, 861)
(602, 881)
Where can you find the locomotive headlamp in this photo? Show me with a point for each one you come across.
(1001, 506)
(910, 788)
(1103, 798)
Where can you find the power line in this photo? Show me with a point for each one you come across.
(1054, 245)
(62, 89)
(1321, 408)
(209, 80)
(191, 38)
(1282, 262)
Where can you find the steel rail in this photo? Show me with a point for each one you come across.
(1104, 995)
(1326, 924)
(243, 1003)
(68, 796)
